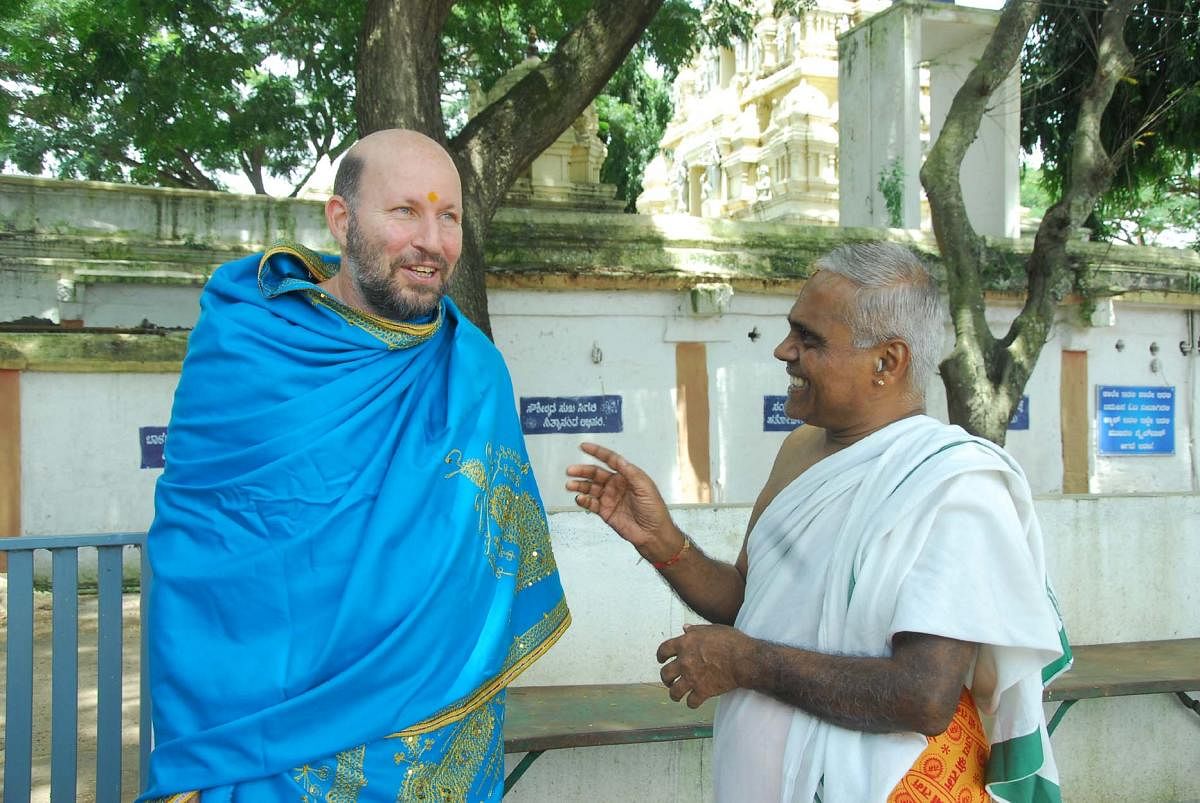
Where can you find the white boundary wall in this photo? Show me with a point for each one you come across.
(1125, 563)
(80, 454)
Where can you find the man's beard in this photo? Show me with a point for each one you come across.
(373, 277)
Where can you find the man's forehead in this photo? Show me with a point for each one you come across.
(413, 180)
(824, 296)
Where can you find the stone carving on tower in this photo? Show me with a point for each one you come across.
(567, 174)
(755, 136)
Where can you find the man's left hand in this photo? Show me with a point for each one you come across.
(703, 662)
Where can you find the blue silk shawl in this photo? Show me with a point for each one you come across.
(348, 540)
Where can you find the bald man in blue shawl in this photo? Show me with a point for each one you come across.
(350, 556)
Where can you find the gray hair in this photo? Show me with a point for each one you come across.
(348, 177)
(896, 299)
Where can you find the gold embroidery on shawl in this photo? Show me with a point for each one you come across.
(349, 778)
(508, 517)
(308, 777)
(308, 257)
(467, 755)
(540, 632)
(395, 335)
(515, 516)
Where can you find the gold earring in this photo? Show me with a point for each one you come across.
(879, 382)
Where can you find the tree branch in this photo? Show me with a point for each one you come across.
(1089, 174)
(961, 247)
(325, 149)
(190, 168)
(252, 162)
(502, 140)
(168, 178)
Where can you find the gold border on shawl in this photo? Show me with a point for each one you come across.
(489, 689)
(476, 701)
(420, 332)
(311, 259)
(316, 267)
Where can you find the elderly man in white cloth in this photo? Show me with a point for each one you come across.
(891, 587)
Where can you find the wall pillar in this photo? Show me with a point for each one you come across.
(991, 193)
(879, 119)
(691, 406)
(10, 456)
(1073, 416)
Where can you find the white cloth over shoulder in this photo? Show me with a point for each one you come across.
(922, 528)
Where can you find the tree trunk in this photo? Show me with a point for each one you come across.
(399, 86)
(984, 376)
(397, 76)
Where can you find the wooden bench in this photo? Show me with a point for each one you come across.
(541, 718)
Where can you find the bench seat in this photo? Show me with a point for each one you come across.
(540, 718)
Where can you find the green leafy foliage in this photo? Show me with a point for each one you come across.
(633, 111)
(1033, 193)
(1165, 212)
(891, 187)
(1153, 121)
(174, 93)
(180, 94)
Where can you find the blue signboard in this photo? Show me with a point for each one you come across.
(774, 418)
(152, 439)
(567, 415)
(1020, 416)
(1135, 420)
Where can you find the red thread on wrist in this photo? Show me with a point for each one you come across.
(671, 561)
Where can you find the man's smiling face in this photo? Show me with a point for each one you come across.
(404, 232)
(830, 378)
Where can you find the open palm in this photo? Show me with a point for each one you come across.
(623, 495)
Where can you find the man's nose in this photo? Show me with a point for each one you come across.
(784, 352)
(426, 237)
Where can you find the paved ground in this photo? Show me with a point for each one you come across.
(87, 697)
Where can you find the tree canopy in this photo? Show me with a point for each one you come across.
(181, 94)
(1112, 108)
(1151, 125)
(175, 94)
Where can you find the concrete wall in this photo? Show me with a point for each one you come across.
(80, 456)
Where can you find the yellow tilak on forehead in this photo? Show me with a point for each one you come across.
(433, 196)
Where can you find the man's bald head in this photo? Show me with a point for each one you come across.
(394, 143)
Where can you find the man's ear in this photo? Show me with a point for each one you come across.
(337, 217)
(897, 359)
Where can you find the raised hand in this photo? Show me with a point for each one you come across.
(628, 501)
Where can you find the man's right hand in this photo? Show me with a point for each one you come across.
(628, 501)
